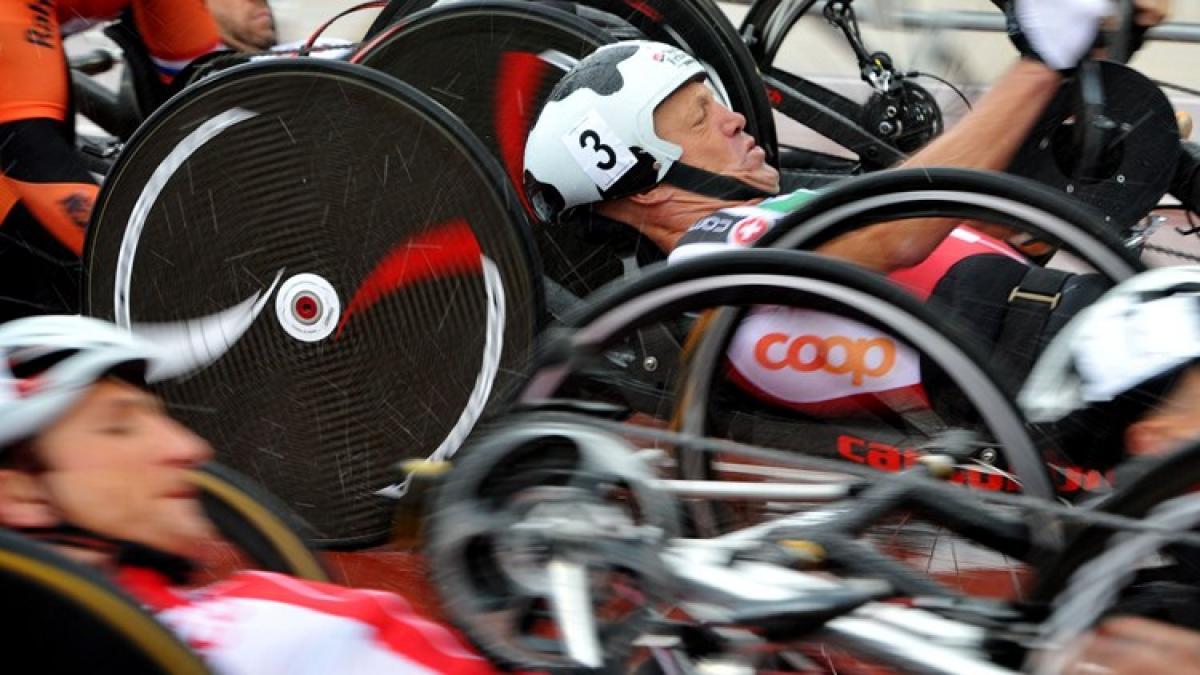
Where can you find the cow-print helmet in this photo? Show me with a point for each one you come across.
(594, 139)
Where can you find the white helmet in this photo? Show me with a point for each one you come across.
(48, 362)
(1142, 329)
(1115, 361)
(595, 140)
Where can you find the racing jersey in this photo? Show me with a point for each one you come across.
(46, 193)
(261, 623)
(816, 362)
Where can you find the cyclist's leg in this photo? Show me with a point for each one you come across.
(36, 153)
(175, 32)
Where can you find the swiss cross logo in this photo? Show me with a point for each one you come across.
(658, 56)
(748, 230)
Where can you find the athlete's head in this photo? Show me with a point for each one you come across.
(83, 444)
(633, 116)
(1122, 376)
(245, 25)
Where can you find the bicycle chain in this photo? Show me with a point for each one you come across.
(1166, 250)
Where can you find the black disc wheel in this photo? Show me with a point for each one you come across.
(349, 265)
(493, 63)
(1117, 152)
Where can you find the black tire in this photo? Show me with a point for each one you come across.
(1098, 572)
(993, 197)
(298, 171)
(67, 618)
(493, 63)
(895, 195)
(258, 523)
(776, 277)
(1167, 478)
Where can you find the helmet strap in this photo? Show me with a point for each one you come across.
(123, 552)
(711, 184)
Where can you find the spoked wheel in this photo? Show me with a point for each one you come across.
(793, 279)
(882, 122)
(349, 263)
(993, 198)
(544, 545)
(884, 438)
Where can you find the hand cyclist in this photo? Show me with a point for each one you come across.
(634, 137)
(91, 464)
(46, 194)
(1122, 379)
(245, 25)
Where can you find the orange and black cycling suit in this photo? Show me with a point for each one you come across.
(46, 193)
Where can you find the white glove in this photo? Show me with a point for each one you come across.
(1061, 32)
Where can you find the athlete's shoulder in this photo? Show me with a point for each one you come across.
(737, 226)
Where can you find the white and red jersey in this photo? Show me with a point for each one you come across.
(261, 623)
(816, 362)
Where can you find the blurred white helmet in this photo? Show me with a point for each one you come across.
(595, 140)
(48, 362)
(1144, 329)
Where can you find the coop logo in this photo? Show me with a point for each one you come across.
(860, 358)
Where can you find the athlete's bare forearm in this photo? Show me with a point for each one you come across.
(987, 138)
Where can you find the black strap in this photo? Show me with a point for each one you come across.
(1030, 305)
(711, 184)
(125, 553)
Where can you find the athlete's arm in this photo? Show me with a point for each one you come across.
(175, 32)
(1132, 646)
(37, 156)
(987, 138)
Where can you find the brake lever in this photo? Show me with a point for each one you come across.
(1119, 42)
(841, 14)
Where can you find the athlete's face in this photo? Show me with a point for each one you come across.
(246, 25)
(115, 464)
(713, 137)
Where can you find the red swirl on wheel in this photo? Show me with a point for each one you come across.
(445, 250)
(519, 76)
